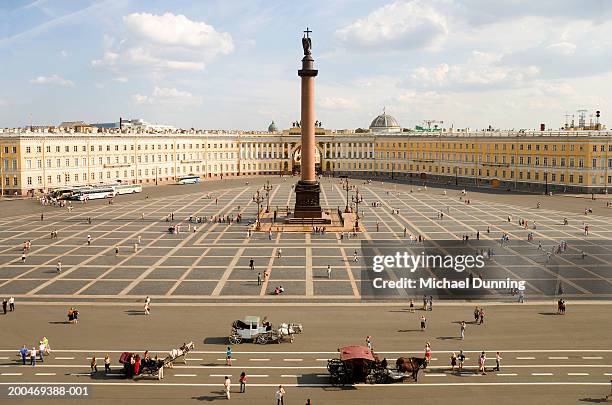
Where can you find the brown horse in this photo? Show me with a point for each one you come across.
(411, 364)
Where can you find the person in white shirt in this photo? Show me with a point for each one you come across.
(41, 350)
(33, 356)
(279, 395)
(227, 384)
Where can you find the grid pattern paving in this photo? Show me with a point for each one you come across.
(213, 262)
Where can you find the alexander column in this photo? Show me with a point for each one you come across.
(307, 190)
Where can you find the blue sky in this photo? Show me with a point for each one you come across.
(233, 64)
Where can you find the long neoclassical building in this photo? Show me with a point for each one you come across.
(34, 160)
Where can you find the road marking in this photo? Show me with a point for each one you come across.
(185, 375)
(80, 374)
(258, 375)
(525, 358)
(196, 359)
(4, 358)
(542, 374)
(390, 386)
(291, 375)
(45, 374)
(293, 359)
(434, 375)
(607, 373)
(11, 374)
(259, 359)
(558, 358)
(220, 375)
(577, 373)
(506, 374)
(67, 358)
(592, 357)
(233, 360)
(322, 359)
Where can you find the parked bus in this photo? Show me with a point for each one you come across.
(65, 193)
(189, 179)
(93, 193)
(127, 188)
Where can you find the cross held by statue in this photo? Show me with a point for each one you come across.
(307, 32)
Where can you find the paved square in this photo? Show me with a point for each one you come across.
(213, 261)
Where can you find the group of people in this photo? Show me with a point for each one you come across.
(36, 353)
(458, 360)
(73, 315)
(10, 303)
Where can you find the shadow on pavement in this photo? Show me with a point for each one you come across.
(216, 340)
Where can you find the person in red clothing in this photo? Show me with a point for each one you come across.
(137, 365)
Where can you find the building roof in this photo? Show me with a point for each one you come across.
(68, 124)
(356, 352)
(384, 121)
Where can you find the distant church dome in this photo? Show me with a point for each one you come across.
(385, 123)
(272, 127)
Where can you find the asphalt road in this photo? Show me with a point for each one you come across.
(547, 358)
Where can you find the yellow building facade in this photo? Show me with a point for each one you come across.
(36, 161)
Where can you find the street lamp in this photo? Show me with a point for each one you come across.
(345, 186)
(258, 199)
(268, 187)
(357, 199)
(456, 176)
(546, 183)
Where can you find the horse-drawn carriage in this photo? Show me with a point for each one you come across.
(359, 364)
(133, 365)
(250, 328)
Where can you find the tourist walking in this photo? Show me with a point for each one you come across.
(33, 356)
(423, 323)
(279, 395)
(94, 365)
(453, 361)
(58, 268)
(227, 385)
(369, 342)
(251, 264)
(4, 305)
(107, 368)
(228, 356)
(482, 363)
(328, 271)
(24, 354)
(460, 360)
(498, 359)
(462, 330)
(11, 303)
(243, 380)
(258, 278)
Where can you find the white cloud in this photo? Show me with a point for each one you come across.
(160, 44)
(337, 103)
(167, 95)
(564, 48)
(64, 53)
(54, 79)
(481, 70)
(399, 25)
(177, 30)
(121, 79)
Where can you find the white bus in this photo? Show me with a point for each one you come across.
(93, 193)
(189, 179)
(127, 188)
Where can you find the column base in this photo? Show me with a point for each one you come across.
(307, 203)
